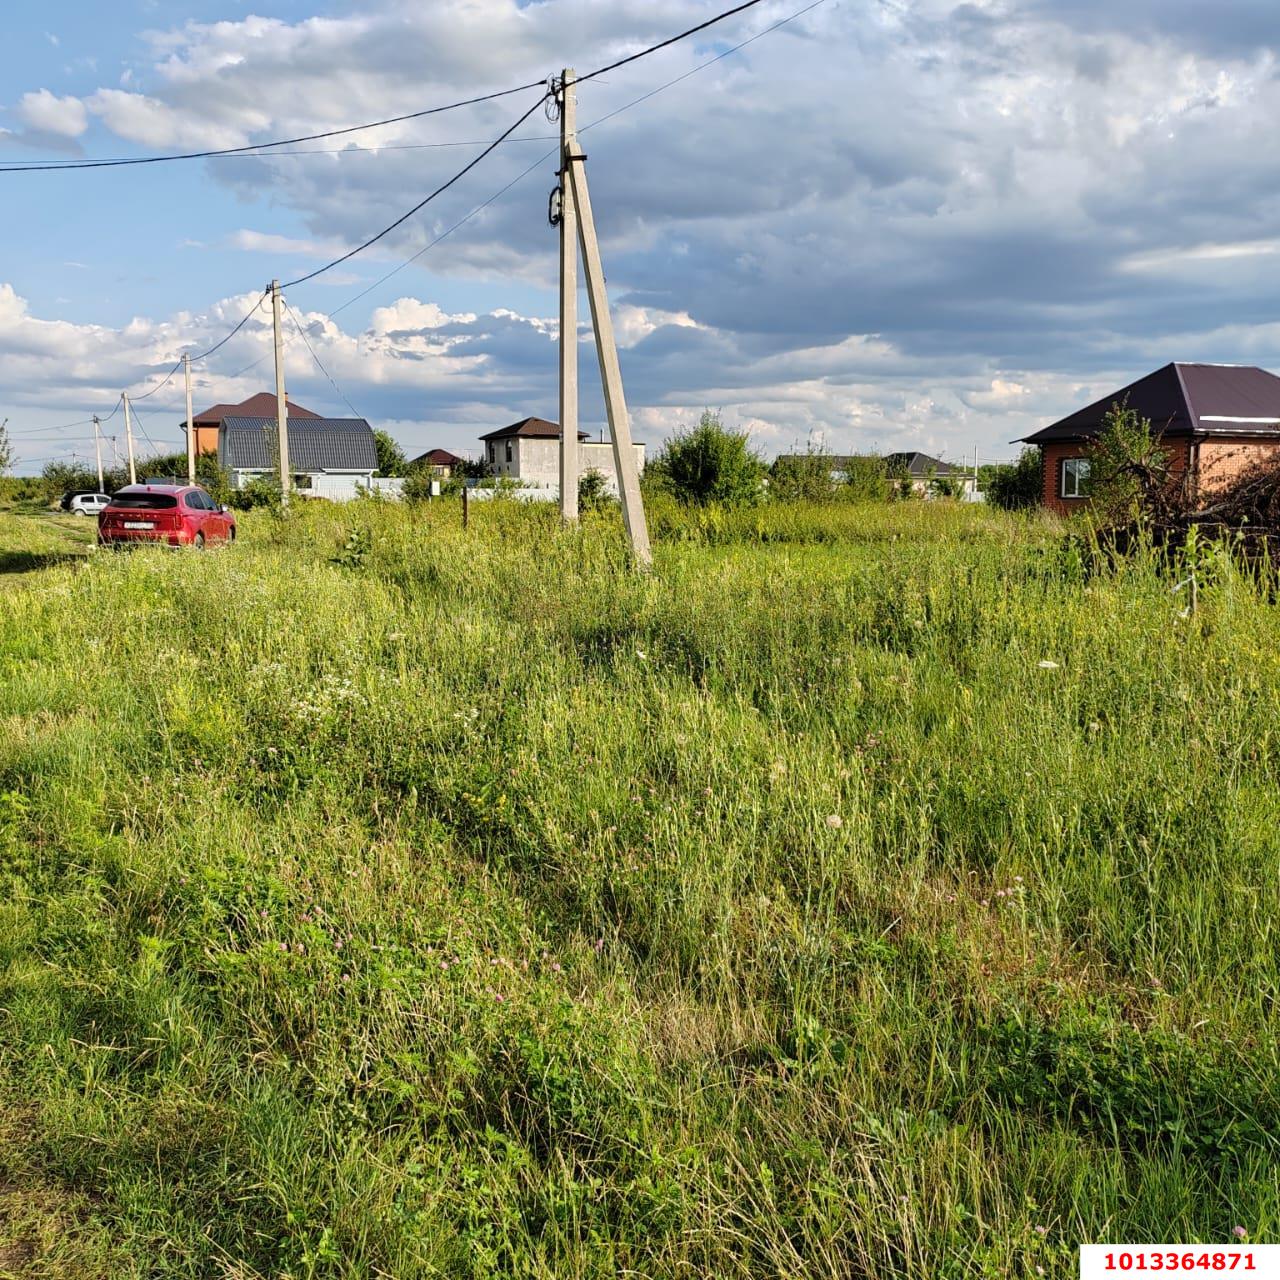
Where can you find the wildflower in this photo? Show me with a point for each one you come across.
(444, 964)
(1042, 1231)
(284, 946)
(498, 996)
(1017, 879)
(1239, 1232)
(337, 944)
(599, 945)
(1048, 665)
(641, 654)
(835, 821)
(555, 968)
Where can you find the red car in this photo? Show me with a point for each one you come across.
(179, 515)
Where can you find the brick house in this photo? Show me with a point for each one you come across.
(1215, 420)
(262, 405)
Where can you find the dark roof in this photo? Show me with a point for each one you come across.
(262, 405)
(1183, 400)
(538, 428)
(919, 465)
(315, 444)
(436, 458)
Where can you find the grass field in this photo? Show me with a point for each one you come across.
(869, 893)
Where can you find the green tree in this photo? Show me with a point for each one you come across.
(1129, 471)
(593, 492)
(6, 449)
(391, 459)
(802, 477)
(1018, 485)
(708, 463)
(866, 479)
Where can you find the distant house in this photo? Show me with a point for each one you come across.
(1215, 420)
(262, 405)
(529, 451)
(920, 468)
(439, 462)
(328, 457)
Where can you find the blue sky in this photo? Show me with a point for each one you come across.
(931, 225)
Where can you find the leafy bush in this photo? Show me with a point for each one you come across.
(708, 464)
(593, 492)
(1019, 485)
(802, 477)
(1129, 471)
(391, 459)
(866, 479)
(260, 492)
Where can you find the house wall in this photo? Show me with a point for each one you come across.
(536, 461)
(1053, 455)
(206, 438)
(1224, 460)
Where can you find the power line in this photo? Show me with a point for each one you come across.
(653, 48)
(255, 147)
(114, 162)
(316, 358)
(404, 217)
(548, 155)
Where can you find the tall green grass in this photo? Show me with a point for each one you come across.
(868, 892)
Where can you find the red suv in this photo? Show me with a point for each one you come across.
(180, 515)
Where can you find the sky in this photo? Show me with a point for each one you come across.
(883, 225)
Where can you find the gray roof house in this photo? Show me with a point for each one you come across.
(328, 457)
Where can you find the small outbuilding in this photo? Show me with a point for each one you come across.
(438, 462)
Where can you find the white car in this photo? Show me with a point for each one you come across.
(87, 504)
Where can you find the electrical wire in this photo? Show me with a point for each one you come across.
(541, 160)
(404, 217)
(254, 147)
(653, 48)
(316, 358)
(116, 161)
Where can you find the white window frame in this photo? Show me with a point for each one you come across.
(1078, 469)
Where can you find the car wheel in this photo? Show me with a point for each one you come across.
(198, 542)
(80, 511)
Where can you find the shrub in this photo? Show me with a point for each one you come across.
(802, 477)
(1129, 475)
(1019, 485)
(708, 463)
(593, 492)
(391, 459)
(866, 479)
(261, 491)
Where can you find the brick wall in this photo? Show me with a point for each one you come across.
(1225, 460)
(1052, 456)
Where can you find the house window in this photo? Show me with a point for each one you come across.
(1075, 478)
(493, 457)
(508, 450)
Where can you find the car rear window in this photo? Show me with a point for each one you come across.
(145, 501)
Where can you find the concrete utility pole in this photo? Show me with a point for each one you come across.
(568, 306)
(282, 404)
(624, 458)
(97, 449)
(191, 426)
(128, 435)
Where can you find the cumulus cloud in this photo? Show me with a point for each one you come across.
(927, 224)
(45, 112)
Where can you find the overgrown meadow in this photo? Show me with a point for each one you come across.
(871, 891)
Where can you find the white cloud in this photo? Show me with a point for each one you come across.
(47, 113)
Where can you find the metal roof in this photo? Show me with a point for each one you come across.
(315, 444)
(1185, 400)
(263, 404)
(919, 466)
(538, 428)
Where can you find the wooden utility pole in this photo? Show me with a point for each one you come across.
(128, 435)
(624, 458)
(97, 449)
(282, 405)
(191, 426)
(569, 451)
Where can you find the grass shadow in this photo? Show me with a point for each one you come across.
(27, 561)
